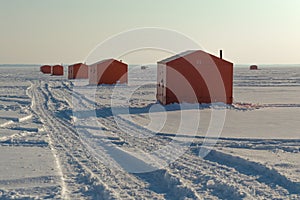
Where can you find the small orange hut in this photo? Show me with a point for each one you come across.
(194, 77)
(45, 69)
(57, 70)
(108, 71)
(78, 71)
(253, 67)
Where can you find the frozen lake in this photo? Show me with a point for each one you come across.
(60, 139)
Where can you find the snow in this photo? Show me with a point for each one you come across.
(285, 96)
(18, 164)
(278, 123)
(61, 139)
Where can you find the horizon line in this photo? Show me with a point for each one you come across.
(241, 64)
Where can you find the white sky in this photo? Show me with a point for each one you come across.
(55, 31)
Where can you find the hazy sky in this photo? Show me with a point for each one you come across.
(65, 31)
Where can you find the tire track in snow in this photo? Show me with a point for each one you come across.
(148, 145)
(172, 189)
(227, 181)
(123, 186)
(69, 150)
(182, 178)
(73, 164)
(31, 92)
(265, 175)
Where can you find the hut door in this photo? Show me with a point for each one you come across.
(161, 82)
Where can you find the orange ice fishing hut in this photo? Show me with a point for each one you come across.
(57, 70)
(45, 69)
(108, 71)
(194, 76)
(78, 71)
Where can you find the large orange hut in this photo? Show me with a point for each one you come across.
(194, 77)
(78, 71)
(108, 71)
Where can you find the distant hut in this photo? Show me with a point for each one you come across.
(108, 71)
(194, 77)
(253, 67)
(78, 71)
(45, 69)
(57, 70)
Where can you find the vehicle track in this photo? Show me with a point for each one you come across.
(190, 168)
(84, 174)
(148, 145)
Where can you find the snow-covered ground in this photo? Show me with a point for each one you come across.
(61, 139)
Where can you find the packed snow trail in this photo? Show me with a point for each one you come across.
(35, 106)
(84, 175)
(173, 190)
